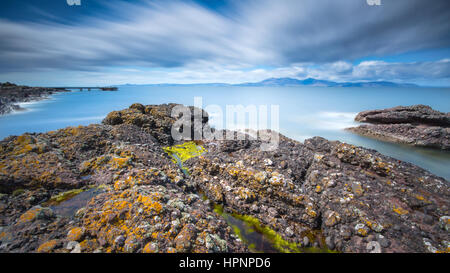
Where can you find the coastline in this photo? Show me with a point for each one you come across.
(416, 125)
(318, 195)
(24, 105)
(14, 97)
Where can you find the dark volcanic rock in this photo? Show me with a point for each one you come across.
(157, 120)
(417, 125)
(359, 199)
(320, 193)
(416, 114)
(11, 94)
(138, 206)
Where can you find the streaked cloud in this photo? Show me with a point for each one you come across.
(172, 41)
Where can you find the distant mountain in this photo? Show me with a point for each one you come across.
(315, 82)
(291, 82)
(179, 84)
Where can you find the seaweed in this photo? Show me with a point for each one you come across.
(181, 153)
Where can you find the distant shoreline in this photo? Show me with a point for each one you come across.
(12, 96)
(291, 82)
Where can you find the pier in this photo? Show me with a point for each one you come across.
(107, 88)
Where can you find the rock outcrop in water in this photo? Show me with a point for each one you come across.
(417, 125)
(130, 196)
(11, 94)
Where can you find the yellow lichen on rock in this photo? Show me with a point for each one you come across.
(184, 151)
(47, 246)
(75, 234)
(399, 210)
(29, 215)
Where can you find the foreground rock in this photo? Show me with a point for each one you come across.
(140, 202)
(329, 195)
(417, 125)
(11, 95)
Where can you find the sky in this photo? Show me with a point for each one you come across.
(52, 43)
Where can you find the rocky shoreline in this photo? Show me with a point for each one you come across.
(122, 191)
(417, 125)
(11, 95)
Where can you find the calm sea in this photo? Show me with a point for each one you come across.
(304, 111)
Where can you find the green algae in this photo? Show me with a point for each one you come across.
(18, 192)
(63, 196)
(67, 195)
(251, 225)
(181, 153)
(246, 227)
(68, 203)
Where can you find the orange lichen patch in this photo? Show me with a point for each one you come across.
(332, 218)
(185, 238)
(5, 236)
(73, 131)
(123, 184)
(23, 144)
(260, 177)
(154, 112)
(120, 162)
(276, 180)
(171, 250)
(399, 210)
(362, 232)
(118, 215)
(29, 215)
(318, 189)
(24, 140)
(47, 246)
(142, 177)
(245, 194)
(357, 188)
(107, 162)
(310, 211)
(88, 245)
(241, 174)
(296, 200)
(373, 225)
(34, 169)
(150, 248)
(215, 192)
(151, 202)
(75, 234)
(447, 250)
(422, 198)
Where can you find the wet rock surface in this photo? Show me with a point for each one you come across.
(352, 197)
(417, 125)
(330, 195)
(11, 94)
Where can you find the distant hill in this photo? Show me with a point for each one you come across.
(292, 82)
(315, 82)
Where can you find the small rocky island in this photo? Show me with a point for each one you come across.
(12, 94)
(117, 187)
(417, 125)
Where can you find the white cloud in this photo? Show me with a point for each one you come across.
(250, 41)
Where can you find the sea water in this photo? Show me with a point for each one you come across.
(303, 111)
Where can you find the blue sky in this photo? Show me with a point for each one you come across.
(48, 42)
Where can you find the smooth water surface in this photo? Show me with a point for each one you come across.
(304, 111)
